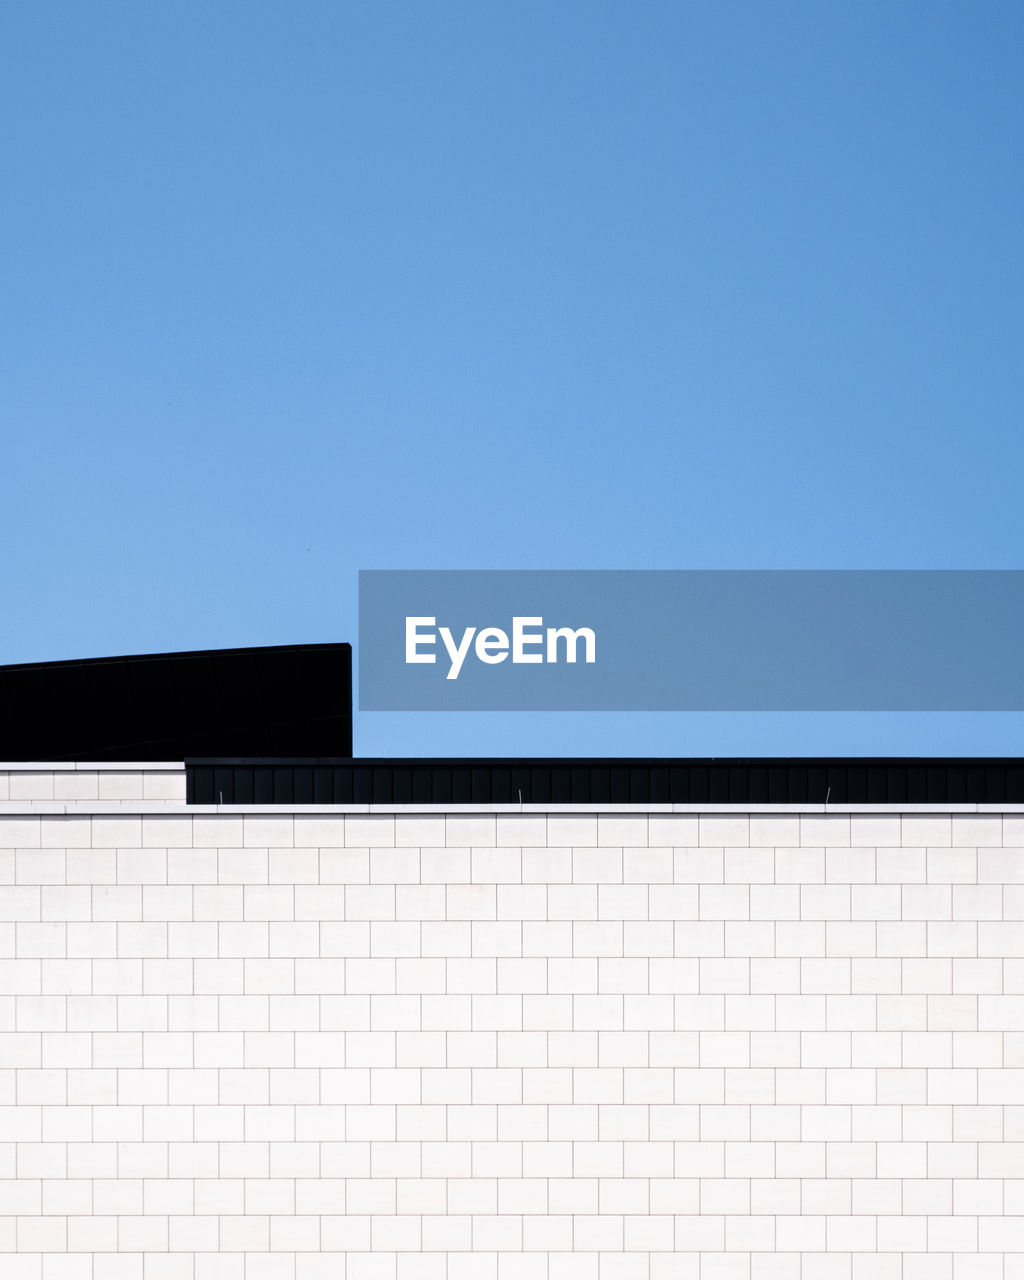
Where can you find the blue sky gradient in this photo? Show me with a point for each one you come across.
(287, 291)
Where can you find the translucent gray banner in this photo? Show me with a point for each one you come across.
(691, 640)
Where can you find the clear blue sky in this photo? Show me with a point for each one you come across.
(289, 290)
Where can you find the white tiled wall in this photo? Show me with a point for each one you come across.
(318, 1046)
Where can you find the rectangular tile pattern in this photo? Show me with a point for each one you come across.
(493, 1047)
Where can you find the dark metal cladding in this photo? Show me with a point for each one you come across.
(606, 781)
(280, 701)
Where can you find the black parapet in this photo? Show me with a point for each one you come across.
(746, 782)
(283, 700)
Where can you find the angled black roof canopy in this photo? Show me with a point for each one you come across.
(283, 700)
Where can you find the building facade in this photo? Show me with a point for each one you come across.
(492, 1041)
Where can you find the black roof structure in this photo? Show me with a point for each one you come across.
(273, 725)
(285, 700)
(770, 781)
